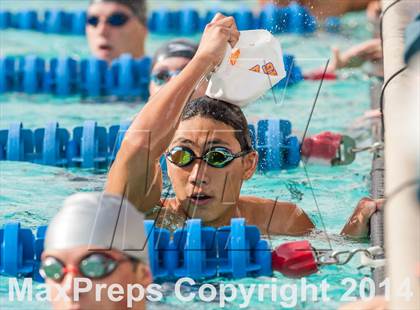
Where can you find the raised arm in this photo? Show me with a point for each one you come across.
(136, 172)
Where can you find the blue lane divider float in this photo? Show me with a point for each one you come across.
(30, 74)
(93, 81)
(62, 77)
(187, 21)
(234, 251)
(129, 77)
(20, 251)
(241, 252)
(5, 19)
(115, 138)
(19, 145)
(244, 19)
(26, 20)
(7, 74)
(38, 249)
(293, 72)
(93, 146)
(126, 78)
(163, 21)
(50, 145)
(291, 19)
(269, 133)
(57, 21)
(198, 255)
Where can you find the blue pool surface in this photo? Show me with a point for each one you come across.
(32, 194)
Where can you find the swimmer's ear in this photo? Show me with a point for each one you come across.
(250, 162)
(143, 274)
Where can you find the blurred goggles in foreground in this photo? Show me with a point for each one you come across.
(93, 266)
(163, 76)
(217, 157)
(114, 20)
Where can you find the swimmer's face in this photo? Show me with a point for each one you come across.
(123, 275)
(220, 187)
(169, 67)
(108, 42)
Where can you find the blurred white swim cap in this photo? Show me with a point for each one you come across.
(100, 221)
(248, 70)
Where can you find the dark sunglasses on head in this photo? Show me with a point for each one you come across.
(217, 157)
(115, 20)
(93, 266)
(163, 76)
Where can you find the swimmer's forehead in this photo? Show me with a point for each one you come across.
(205, 131)
(108, 8)
(74, 255)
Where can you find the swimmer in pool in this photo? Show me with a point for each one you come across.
(78, 246)
(208, 150)
(115, 27)
(169, 60)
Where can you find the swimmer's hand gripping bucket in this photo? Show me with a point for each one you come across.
(249, 69)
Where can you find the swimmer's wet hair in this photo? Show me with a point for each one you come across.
(221, 111)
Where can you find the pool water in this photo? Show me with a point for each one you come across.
(32, 194)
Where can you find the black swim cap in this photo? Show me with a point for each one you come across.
(175, 48)
(138, 7)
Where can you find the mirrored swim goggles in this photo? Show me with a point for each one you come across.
(92, 266)
(217, 157)
(115, 20)
(163, 76)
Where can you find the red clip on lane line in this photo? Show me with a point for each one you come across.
(318, 75)
(295, 259)
(329, 148)
(322, 146)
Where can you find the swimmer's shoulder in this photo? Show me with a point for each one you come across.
(263, 205)
(274, 216)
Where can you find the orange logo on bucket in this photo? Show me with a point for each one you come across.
(269, 69)
(255, 68)
(234, 56)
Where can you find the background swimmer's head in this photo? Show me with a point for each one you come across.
(206, 192)
(115, 27)
(169, 60)
(105, 235)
